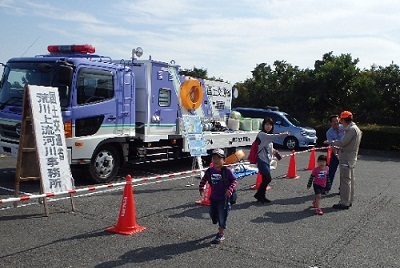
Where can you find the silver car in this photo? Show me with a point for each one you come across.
(300, 136)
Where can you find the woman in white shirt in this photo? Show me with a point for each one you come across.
(265, 153)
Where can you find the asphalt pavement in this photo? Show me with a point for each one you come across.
(284, 233)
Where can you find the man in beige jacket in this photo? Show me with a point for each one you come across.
(348, 150)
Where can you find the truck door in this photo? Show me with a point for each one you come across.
(95, 111)
(163, 103)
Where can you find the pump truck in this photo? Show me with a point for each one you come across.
(121, 111)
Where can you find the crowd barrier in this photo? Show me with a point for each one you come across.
(157, 177)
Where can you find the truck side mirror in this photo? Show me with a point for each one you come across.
(65, 74)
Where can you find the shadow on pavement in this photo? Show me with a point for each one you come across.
(164, 252)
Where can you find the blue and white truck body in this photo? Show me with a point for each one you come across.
(118, 111)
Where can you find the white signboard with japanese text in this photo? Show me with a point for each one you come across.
(50, 140)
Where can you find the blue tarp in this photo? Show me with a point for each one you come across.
(242, 171)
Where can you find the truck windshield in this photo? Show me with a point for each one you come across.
(18, 74)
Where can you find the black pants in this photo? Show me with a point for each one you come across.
(333, 165)
(266, 179)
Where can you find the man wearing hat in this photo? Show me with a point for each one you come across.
(348, 151)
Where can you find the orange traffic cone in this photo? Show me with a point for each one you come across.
(126, 224)
(328, 155)
(258, 182)
(311, 162)
(291, 174)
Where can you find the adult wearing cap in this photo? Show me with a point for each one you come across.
(348, 151)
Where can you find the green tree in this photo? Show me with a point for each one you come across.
(199, 73)
(285, 93)
(366, 98)
(335, 84)
(244, 98)
(263, 85)
(195, 72)
(387, 83)
(303, 96)
(334, 76)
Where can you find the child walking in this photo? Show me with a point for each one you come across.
(320, 180)
(222, 182)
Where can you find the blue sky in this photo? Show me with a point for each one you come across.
(228, 38)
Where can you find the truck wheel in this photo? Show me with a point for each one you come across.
(291, 143)
(104, 164)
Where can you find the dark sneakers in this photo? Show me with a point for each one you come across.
(259, 198)
(262, 200)
(340, 206)
(266, 200)
(218, 239)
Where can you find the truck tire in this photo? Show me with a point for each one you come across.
(291, 143)
(104, 164)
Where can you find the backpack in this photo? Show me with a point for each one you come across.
(253, 155)
(233, 197)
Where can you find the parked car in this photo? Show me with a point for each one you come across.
(300, 136)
